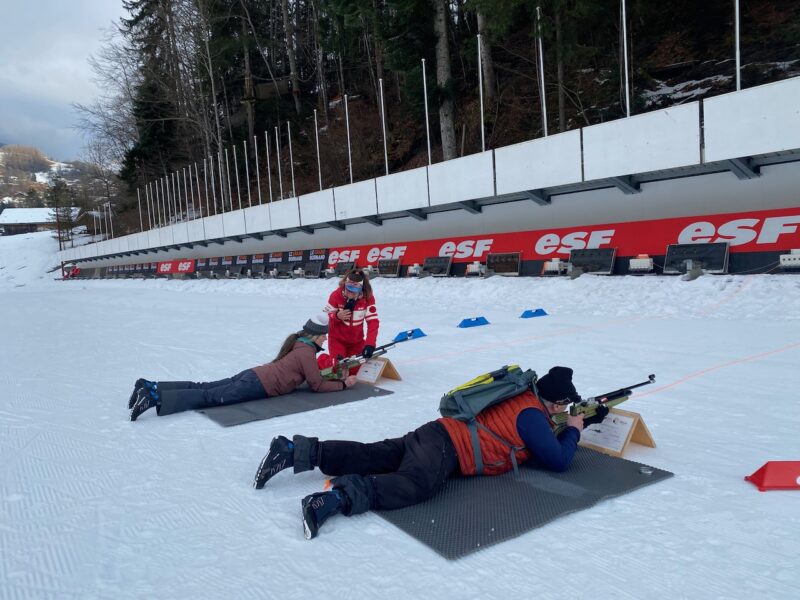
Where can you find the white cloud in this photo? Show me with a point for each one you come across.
(45, 45)
(45, 125)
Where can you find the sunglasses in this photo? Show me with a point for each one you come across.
(350, 287)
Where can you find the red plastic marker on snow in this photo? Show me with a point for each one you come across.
(777, 475)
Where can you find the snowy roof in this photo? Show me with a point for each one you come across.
(21, 216)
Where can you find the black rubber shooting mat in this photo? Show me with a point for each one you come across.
(471, 513)
(300, 400)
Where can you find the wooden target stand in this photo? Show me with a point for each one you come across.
(616, 432)
(377, 368)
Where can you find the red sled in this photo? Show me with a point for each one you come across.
(777, 475)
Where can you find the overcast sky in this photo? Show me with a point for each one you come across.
(44, 51)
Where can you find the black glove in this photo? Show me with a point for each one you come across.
(368, 351)
(598, 417)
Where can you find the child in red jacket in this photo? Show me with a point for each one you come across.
(350, 307)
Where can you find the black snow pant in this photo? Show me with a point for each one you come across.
(393, 473)
(178, 396)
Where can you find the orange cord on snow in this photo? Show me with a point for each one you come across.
(702, 372)
(610, 323)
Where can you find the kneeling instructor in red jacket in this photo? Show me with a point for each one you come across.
(351, 307)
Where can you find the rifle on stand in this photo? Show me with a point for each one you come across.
(341, 368)
(588, 407)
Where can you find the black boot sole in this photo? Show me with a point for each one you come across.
(259, 482)
(136, 387)
(138, 410)
(265, 472)
(310, 527)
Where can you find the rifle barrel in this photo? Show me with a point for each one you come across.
(626, 390)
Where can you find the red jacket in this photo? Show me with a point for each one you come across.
(352, 331)
(502, 420)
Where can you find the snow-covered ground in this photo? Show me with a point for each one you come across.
(55, 168)
(94, 506)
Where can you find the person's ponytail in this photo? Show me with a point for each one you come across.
(287, 345)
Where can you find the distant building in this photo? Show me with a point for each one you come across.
(26, 220)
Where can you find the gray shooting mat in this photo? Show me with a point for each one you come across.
(471, 513)
(300, 400)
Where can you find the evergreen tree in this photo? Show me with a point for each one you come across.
(57, 198)
(202, 75)
(33, 199)
(154, 105)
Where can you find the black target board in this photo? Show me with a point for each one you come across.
(710, 257)
(594, 260)
(505, 263)
(283, 270)
(437, 266)
(343, 267)
(389, 267)
(312, 269)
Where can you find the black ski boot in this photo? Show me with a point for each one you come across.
(319, 507)
(139, 385)
(279, 457)
(145, 400)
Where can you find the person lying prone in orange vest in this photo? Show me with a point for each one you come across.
(403, 471)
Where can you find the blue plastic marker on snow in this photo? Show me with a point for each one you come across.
(536, 312)
(474, 322)
(411, 334)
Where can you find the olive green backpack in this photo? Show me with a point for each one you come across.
(467, 401)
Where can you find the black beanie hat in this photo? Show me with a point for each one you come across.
(557, 386)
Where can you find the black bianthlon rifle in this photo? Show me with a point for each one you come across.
(588, 407)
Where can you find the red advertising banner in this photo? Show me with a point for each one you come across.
(175, 266)
(753, 231)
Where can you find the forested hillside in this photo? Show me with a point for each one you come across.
(29, 179)
(186, 79)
